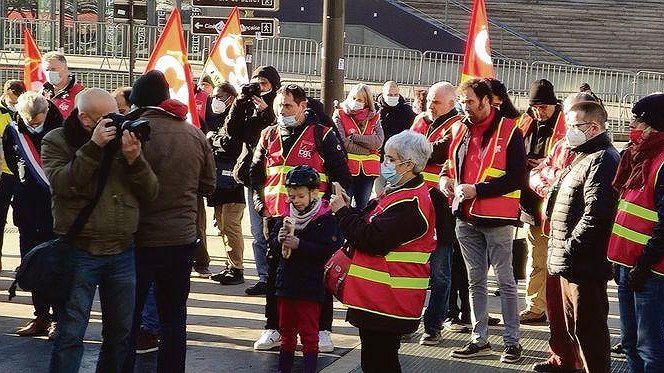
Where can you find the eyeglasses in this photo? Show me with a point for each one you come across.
(577, 125)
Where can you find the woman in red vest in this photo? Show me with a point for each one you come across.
(362, 135)
(389, 273)
(636, 246)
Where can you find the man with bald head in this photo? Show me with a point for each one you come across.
(435, 123)
(103, 251)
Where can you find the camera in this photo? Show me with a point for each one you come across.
(139, 127)
(250, 89)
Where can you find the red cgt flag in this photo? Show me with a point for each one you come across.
(170, 57)
(477, 57)
(226, 62)
(33, 73)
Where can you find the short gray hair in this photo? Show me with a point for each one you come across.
(30, 104)
(411, 146)
(54, 56)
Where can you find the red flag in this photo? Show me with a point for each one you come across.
(33, 73)
(477, 58)
(170, 57)
(226, 62)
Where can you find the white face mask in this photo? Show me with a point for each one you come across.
(575, 137)
(266, 92)
(52, 77)
(354, 105)
(287, 122)
(37, 129)
(391, 100)
(218, 106)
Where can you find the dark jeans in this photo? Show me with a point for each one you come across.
(169, 268)
(150, 316)
(459, 288)
(380, 351)
(642, 323)
(360, 190)
(271, 307)
(7, 186)
(115, 276)
(436, 312)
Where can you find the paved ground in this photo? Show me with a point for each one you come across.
(223, 323)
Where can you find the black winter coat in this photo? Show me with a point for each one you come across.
(394, 119)
(226, 150)
(301, 275)
(583, 214)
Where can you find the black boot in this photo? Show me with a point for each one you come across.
(310, 362)
(285, 361)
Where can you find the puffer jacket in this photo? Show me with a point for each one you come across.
(71, 161)
(583, 213)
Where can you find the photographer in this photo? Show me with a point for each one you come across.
(104, 255)
(249, 115)
(167, 233)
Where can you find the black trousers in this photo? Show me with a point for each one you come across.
(459, 288)
(380, 351)
(7, 185)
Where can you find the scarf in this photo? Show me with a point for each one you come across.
(635, 160)
(361, 115)
(75, 134)
(302, 219)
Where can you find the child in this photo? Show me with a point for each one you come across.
(299, 284)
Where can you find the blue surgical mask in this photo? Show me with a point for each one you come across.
(388, 170)
(287, 122)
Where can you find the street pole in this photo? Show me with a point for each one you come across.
(132, 53)
(61, 17)
(332, 77)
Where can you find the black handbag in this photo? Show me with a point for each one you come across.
(48, 268)
(519, 258)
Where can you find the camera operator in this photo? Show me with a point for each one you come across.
(249, 115)
(167, 233)
(72, 156)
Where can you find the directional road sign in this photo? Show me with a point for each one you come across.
(267, 5)
(121, 11)
(264, 27)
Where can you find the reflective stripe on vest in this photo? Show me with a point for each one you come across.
(368, 164)
(385, 278)
(431, 172)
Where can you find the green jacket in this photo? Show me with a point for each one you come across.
(73, 174)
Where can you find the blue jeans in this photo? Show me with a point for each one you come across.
(642, 323)
(476, 242)
(360, 190)
(115, 276)
(150, 317)
(169, 269)
(441, 280)
(260, 243)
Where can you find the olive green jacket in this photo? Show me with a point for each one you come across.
(72, 174)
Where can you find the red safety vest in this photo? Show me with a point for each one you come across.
(201, 103)
(525, 123)
(431, 172)
(635, 221)
(394, 285)
(277, 165)
(66, 101)
(369, 164)
(492, 166)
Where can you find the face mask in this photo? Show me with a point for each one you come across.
(575, 137)
(264, 93)
(287, 122)
(389, 172)
(391, 100)
(37, 129)
(52, 77)
(218, 106)
(635, 136)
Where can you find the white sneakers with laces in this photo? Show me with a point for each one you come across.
(325, 341)
(268, 340)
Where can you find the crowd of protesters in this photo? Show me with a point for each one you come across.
(462, 166)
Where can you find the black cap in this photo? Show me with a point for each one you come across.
(149, 89)
(303, 176)
(269, 73)
(650, 110)
(541, 93)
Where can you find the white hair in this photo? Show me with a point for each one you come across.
(30, 104)
(90, 99)
(447, 89)
(411, 146)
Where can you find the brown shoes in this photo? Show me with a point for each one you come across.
(36, 327)
(529, 317)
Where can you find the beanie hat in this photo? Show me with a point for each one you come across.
(650, 109)
(541, 93)
(269, 73)
(149, 89)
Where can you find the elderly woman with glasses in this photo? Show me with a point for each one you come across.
(391, 240)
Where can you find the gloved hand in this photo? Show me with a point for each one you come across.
(637, 278)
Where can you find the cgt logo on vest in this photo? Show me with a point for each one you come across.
(305, 150)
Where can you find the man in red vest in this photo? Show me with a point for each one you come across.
(61, 87)
(296, 139)
(637, 239)
(487, 169)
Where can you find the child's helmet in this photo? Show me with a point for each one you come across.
(303, 176)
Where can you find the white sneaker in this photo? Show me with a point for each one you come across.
(325, 341)
(268, 340)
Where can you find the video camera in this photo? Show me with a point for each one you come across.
(139, 127)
